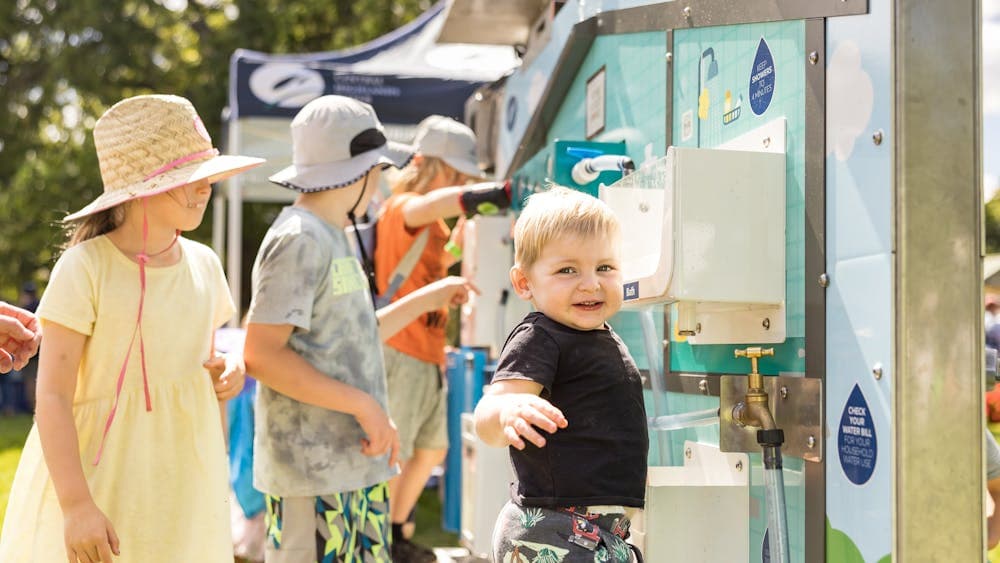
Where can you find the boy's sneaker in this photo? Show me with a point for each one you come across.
(405, 551)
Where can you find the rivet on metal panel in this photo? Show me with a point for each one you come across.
(810, 442)
(697, 328)
(766, 323)
(824, 280)
(783, 392)
(739, 465)
(688, 453)
(643, 207)
(669, 56)
(767, 142)
(877, 137)
(877, 370)
(703, 386)
(687, 12)
(813, 57)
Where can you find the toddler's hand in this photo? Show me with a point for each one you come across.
(524, 412)
(89, 535)
(380, 432)
(228, 375)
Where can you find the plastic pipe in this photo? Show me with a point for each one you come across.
(684, 420)
(774, 491)
(654, 355)
(588, 169)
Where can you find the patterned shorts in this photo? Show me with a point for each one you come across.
(351, 527)
(561, 535)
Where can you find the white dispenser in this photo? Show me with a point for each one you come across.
(705, 228)
(488, 254)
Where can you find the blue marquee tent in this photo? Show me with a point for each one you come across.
(405, 75)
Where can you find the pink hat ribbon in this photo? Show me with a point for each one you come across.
(182, 160)
(142, 259)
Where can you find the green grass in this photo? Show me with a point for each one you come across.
(428, 531)
(13, 431)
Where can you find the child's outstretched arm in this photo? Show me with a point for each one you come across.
(274, 364)
(88, 534)
(452, 290)
(442, 203)
(511, 411)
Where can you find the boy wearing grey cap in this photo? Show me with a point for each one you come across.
(325, 445)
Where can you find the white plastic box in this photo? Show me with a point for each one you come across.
(705, 226)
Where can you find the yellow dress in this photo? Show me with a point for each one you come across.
(162, 479)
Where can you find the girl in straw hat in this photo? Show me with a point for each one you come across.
(127, 455)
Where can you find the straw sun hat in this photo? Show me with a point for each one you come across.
(148, 145)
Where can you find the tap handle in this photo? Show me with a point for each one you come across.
(753, 352)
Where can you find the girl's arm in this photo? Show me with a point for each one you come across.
(438, 204)
(511, 409)
(88, 533)
(486, 198)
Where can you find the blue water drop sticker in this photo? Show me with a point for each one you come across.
(856, 440)
(761, 79)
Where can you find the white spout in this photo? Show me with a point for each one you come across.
(587, 170)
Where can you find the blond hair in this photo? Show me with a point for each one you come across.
(417, 177)
(555, 213)
(94, 225)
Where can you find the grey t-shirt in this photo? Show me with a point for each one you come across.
(306, 275)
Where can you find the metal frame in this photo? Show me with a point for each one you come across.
(815, 268)
(938, 375)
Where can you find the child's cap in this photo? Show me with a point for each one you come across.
(148, 145)
(443, 137)
(335, 141)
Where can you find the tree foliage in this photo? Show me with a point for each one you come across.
(63, 63)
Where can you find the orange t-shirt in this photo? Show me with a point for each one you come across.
(424, 338)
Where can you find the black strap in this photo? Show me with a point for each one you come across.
(366, 262)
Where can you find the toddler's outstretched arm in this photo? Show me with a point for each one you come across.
(510, 412)
(88, 534)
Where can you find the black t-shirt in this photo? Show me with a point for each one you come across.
(600, 457)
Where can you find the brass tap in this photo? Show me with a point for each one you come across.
(753, 410)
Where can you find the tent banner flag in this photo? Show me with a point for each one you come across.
(280, 89)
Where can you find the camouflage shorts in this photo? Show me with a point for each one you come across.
(561, 535)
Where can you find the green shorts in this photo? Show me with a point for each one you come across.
(418, 403)
(351, 527)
